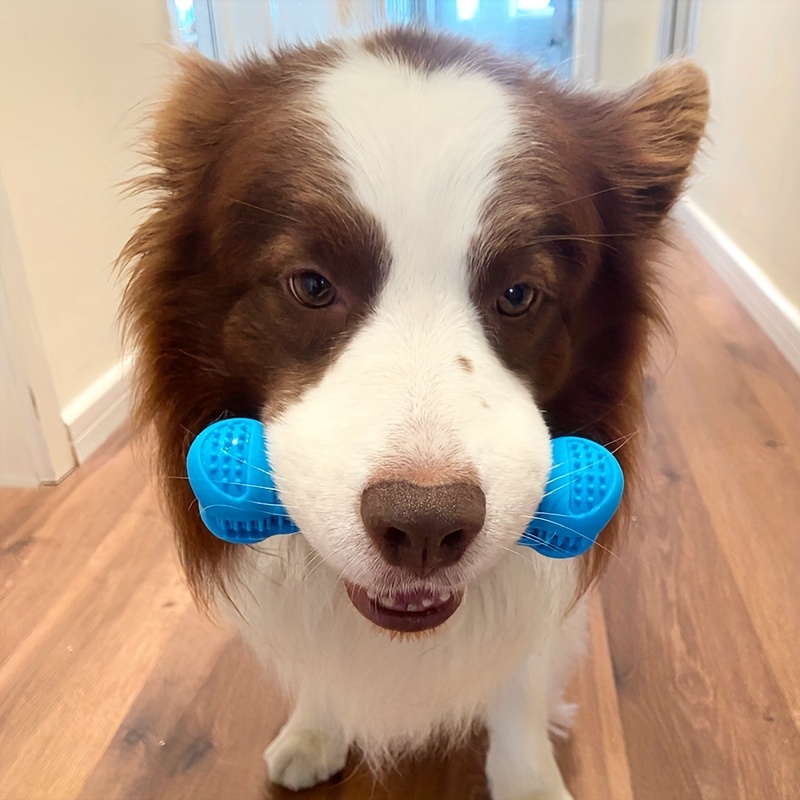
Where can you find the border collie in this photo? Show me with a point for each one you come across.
(415, 261)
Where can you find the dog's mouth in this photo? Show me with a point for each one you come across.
(406, 612)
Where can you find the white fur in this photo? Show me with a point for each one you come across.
(421, 152)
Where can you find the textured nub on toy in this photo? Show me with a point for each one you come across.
(581, 497)
(229, 471)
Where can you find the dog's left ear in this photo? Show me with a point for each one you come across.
(646, 138)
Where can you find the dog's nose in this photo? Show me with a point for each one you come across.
(422, 528)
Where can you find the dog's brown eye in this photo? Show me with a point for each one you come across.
(312, 289)
(516, 300)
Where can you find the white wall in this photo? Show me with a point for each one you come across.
(629, 40)
(744, 204)
(750, 179)
(74, 77)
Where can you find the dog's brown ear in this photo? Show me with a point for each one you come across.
(639, 146)
(180, 379)
(190, 123)
(646, 139)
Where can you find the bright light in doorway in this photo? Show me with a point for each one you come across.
(467, 9)
(184, 6)
(528, 7)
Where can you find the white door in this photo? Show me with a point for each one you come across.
(17, 466)
(17, 413)
(34, 443)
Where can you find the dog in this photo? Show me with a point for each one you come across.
(416, 261)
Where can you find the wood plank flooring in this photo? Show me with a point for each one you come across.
(112, 687)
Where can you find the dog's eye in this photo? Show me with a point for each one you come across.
(517, 299)
(312, 289)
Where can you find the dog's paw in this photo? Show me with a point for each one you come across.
(298, 759)
(558, 793)
(529, 788)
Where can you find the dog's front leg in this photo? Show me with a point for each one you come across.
(309, 749)
(520, 764)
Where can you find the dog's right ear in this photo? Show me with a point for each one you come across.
(190, 123)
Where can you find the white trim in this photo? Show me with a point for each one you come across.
(677, 31)
(99, 410)
(587, 41)
(685, 35)
(204, 24)
(666, 30)
(764, 301)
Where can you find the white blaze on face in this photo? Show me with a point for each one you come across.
(420, 152)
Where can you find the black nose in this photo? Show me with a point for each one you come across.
(422, 528)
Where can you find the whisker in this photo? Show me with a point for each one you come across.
(590, 236)
(264, 210)
(579, 534)
(252, 466)
(265, 504)
(515, 552)
(220, 505)
(529, 537)
(584, 197)
(553, 514)
(622, 440)
(586, 239)
(232, 483)
(526, 537)
(319, 562)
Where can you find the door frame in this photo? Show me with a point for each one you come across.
(32, 383)
(587, 38)
(677, 31)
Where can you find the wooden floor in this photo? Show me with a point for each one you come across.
(112, 687)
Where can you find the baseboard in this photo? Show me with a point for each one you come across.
(12, 480)
(768, 306)
(99, 410)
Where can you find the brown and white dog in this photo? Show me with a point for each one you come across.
(415, 261)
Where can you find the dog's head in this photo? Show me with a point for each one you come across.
(415, 261)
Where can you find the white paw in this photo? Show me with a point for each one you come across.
(560, 793)
(556, 793)
(528, 787)
(299, 759)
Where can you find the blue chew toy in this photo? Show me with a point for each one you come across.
(582, 495)
(229, 472)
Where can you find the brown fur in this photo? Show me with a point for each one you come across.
(239, 167)
(582, 221)
(244, 190)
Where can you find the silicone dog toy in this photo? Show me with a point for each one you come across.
(229, 471)
(582, 495)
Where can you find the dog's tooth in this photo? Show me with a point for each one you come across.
(372, 594)
(387, 600)
(412, 607)
(445, 596)
(427, 602)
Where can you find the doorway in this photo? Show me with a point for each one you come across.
(538, 29)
